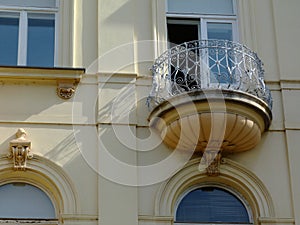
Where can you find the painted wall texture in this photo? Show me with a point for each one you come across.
(94, 154)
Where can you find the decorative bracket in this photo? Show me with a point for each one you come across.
(211, 162)
(65, 90)
(20, 150)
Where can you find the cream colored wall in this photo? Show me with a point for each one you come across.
(48, 121)
(263, 26)
(99, 30)
(269, 30)
(263, 38)
(78, 33)
(123, 24)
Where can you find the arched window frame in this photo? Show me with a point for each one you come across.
(227, 188)
(232, 175)
(48, 177)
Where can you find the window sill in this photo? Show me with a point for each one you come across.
(28, 221)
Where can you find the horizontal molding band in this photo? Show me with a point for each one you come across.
(276, 220)
(81, 217)
(155, 218)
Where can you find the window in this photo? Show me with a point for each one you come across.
(211, 205)
(27, 30)
(24, 202)
(201, 19)
(194, 20)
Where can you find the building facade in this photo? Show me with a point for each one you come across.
(149, 112)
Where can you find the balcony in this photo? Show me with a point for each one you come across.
(209, 96)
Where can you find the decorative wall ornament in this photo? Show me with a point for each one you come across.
(211, 162)
(20, 150)
(65, 90)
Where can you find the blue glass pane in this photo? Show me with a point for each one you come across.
(224, 7)
(40, 45)
(219, 31)
(218, 59)
(29, 3)
(211, 205)
(9, 30)
(20, 200)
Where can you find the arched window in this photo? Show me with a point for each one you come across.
(211, 205)
(25, 201)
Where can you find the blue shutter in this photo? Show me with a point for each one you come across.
(206, 205)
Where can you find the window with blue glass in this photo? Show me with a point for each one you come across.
(28, 32)
(9, 30)
(192, 20)
(25, 201)
(209, 205)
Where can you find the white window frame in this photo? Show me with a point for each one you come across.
(23, 27)
(189, 21)
(203, 20)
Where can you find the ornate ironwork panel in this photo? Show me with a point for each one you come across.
(208, 64)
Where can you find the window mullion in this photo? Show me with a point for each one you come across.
(56, 27)
(235, 34)
(205, 77)
(23, 29)
(203, 29)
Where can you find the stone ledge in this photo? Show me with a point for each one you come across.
(66, 79)
(38, 73)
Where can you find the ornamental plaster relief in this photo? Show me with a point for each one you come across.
(20, 150)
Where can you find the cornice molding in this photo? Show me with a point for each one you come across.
(66, 79)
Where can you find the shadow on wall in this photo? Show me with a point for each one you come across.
(56, 143)
(22, 103)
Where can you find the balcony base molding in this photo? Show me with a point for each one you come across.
(225, 120)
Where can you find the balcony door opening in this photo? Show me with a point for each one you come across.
(196, 66)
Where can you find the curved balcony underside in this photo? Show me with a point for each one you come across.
(210, 95)
(226, 121)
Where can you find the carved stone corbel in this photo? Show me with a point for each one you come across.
(65, 90)
(20, 150)
(211, 162)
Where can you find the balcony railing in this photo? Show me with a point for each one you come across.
(208, 64)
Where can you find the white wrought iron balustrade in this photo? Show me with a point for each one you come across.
(208, 64)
